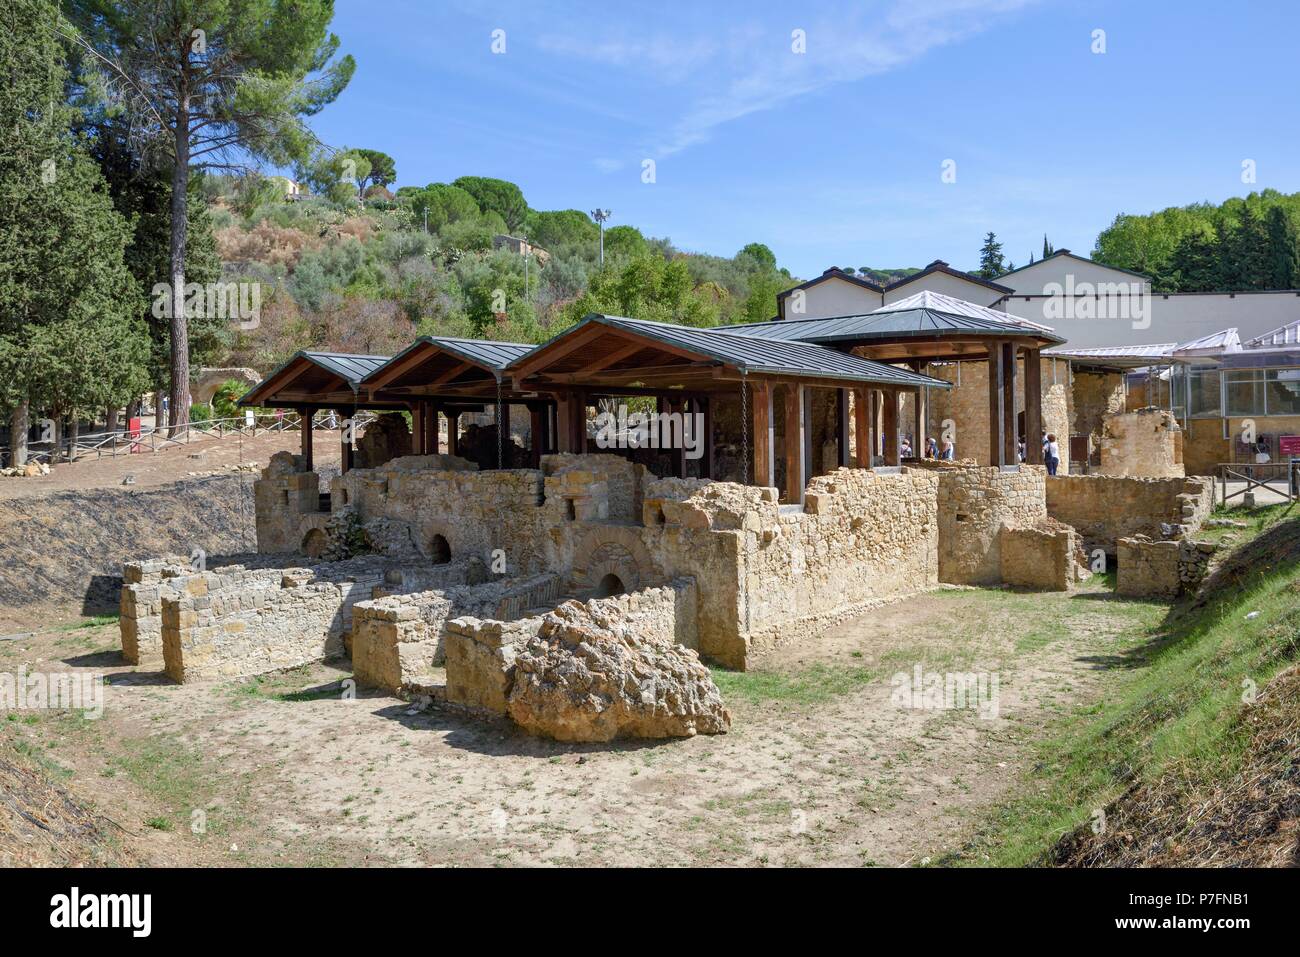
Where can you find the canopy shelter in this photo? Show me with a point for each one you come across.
(931, 327)
(443, 375)
(684, 367)
(310, 381)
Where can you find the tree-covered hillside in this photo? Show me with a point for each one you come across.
(1240, 244)
(369, 276)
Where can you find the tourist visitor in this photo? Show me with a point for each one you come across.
(947, 453)
(931, 448)
(1051, 454)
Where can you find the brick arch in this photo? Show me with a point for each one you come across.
(611, 550)
(432, 533)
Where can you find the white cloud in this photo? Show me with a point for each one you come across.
(725, 71)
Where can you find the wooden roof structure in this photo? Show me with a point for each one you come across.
(319, 380)
(446, 368)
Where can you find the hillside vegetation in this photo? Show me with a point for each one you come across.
(1194, 757)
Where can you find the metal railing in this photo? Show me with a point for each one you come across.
(1280, 478)
(157, 438)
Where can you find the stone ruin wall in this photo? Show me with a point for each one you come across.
(967, 404)
(974, 504)
(1147, 443)
(1161, 569)
(1096, 395)
(1106, 508)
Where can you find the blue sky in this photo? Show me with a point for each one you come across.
(833, 156)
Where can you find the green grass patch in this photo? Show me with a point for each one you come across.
(813, 685)
(1178, 700)
(96, 621)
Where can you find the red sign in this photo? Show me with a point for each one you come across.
(1289, 445)
(133, 431)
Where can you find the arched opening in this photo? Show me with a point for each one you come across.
(314, 543)
(439, 550)
(610, 585)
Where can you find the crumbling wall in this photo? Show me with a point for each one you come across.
(144, 583)
(974, 503)
(1106, 508)
(967, 405)
(1147, 443)
(236, 621)
(1160, 569)
(1096, 395)
(387, 437)
(287, 504)
(1041, 557)
(397, 639)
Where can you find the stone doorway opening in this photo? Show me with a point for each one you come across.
(439, 550)
(610, 586)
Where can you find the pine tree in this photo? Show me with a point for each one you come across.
(1282, 269)
(1047, 247)
(71, 339)
(991, 263)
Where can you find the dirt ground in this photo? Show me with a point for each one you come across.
(170, 464)
(822, 766)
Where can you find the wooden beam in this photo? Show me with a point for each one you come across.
(842, 427)
(618, 355)
(431, 430)
(537, 433)
(996, 445)
(922, 423)
(305, 416)
(862, 426)
(458, 369)
(795, 466)
(558, 350)
(453, 432)
(1033, 407)
(890, 427)
(1011, 435)
(761, 398)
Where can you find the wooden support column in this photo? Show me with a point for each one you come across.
(706, 462)
(761, 399)
(431, 442)
(996, 444)
(1010, 443)
(922, 421)
(537, 433)
(563, 423)
(890, 427)
(877, 410)
(580, 422)
(842, 427)
(304, 423)
(1033, 407)
(347, 446)
(679, 407)
(795, 467)
(417, 428)
(862, 404)
(453, 432)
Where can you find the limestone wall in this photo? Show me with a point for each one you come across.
(481, 652)
(1147, 443)
(1041, 557)
(1096, 395)
(1106, 508)
(234, 622)
(397, 639)
(967, 405)
(974, 503)
(1160, 569)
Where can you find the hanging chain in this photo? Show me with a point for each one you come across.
(744, 420)
(501, 441)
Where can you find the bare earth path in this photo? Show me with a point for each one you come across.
(821, 766)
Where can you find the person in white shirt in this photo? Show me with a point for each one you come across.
(1051, 454)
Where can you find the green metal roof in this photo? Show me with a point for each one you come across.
(486, 353)
(925, 315)
(348, 367)
(758, 355)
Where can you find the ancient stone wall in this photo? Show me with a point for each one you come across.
(1040, 557)
(237, 621)
(1096, 395)
(1160, 569)
(1147, 443)
(967, 405)
(387, 437)
(397, 639)
(974, 503)
(1106, 508)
